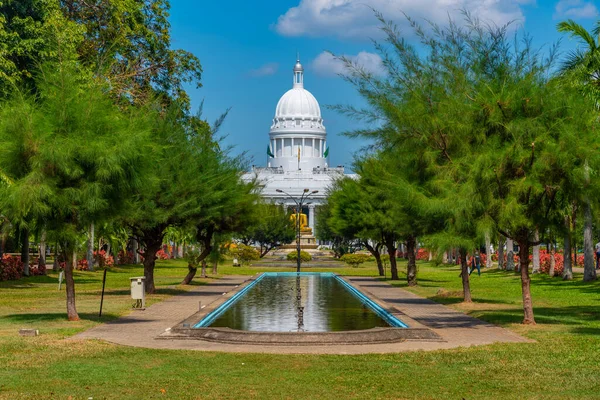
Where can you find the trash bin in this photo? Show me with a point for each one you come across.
(138, 291)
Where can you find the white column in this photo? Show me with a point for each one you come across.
(303, 148)
(311, 217)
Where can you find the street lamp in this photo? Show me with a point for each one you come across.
(299, 308)
(305, 194)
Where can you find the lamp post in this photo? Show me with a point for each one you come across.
(305, 194)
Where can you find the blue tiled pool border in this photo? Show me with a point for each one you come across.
(389, 318)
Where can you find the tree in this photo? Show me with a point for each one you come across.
(81, 156)
(245, 253)
(29, 33)
(482, 113)
(340, 244)
(582, 70)
(128, 42)
(347, 202)
(271, 228)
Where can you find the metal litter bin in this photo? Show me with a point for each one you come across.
(138, 291)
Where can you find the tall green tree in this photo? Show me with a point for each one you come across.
(74, 163)
(128, 42)
(125, 42)
(29, 33)
(481, 112)
(582, 70)
(348, 201)
(271, 228)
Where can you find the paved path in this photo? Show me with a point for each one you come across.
(140, 328)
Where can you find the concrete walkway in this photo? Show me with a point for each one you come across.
(141, 328)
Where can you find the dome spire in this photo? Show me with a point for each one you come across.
(298, 73)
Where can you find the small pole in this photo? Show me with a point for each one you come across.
(102, 296)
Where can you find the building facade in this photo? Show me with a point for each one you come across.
(297, 152)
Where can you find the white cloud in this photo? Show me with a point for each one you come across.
(355, 19)
(328, 65)
(575, 9)
(265, 70)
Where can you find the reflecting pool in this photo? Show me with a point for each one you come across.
(290, 302)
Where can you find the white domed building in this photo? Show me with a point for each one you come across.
(297, 152)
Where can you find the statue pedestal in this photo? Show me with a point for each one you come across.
(307, 242)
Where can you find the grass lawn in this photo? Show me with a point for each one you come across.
(564, 363)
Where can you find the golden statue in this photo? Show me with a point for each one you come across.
(304, 228)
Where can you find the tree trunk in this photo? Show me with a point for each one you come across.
(552, 261)
(89, 256)
(153, 241)
(190, 275)
(573, 240)
(134, 249)
(375, 252)
(589, 269)
(464, 273)
(488, 253)
(411, 269)
(70, 286)
(523, 242)
(567, 270)
(25, 250)
(391, 249)
(501, 244)
(203, 270)
(445, 258)
(510, 261)
(56, 264)
(214, 267)
(536, 253)
(42, 257)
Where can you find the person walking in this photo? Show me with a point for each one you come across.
(476, 263)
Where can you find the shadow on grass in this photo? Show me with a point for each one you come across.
(31, 282)
(53, 317)
(459, 299)
(577, 318)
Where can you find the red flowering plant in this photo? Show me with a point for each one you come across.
(423, 254)
(162, 255)
(103, 259)
(35, 269)
(11, 268)
(559, 262)
(82, 265)
(125, 257)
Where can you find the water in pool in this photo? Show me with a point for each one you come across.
(272, 306)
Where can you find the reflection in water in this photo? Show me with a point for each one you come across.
(324, 305)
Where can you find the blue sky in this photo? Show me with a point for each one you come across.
(248, 48)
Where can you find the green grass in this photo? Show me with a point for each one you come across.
(563, 363)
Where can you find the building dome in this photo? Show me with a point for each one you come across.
(298, 103)
(298, 110)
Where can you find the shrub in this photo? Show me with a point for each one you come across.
(304, 256)
(559, 262)
(354, 260)
(82, 265)
(162, 255)
(423, 254)
(125, 257)
(35, 269)
(11, 268)
(245, 254)
(103, 259)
